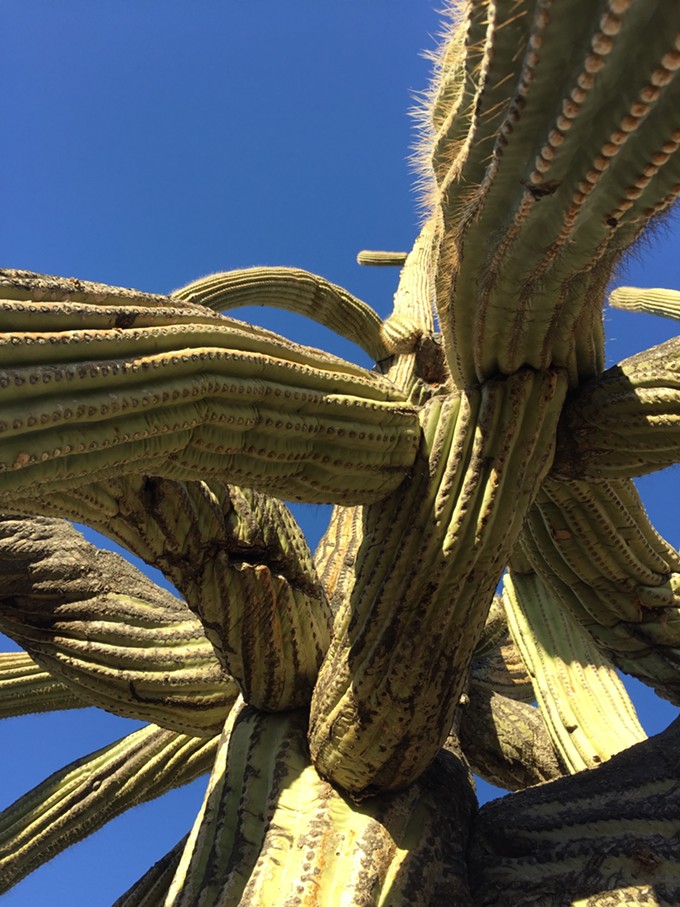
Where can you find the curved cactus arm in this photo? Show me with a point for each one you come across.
(585, 707)
(244, 567)
(506, 742)
(88, 392)
(26, 688)
(606, 836)
(625, 422)
(429, 562)
(552, 156)
(86, 794)
(596, 552)
(152, 888)
(271, 830)
(239, 559)
(112, 636)
(652, 301)
(296, 291)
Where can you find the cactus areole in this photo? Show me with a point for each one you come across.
(340, 699)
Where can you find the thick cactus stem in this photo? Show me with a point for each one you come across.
(426, 569)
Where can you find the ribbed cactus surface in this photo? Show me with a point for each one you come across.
(341, 699)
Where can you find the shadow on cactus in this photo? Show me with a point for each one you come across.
(341, 699)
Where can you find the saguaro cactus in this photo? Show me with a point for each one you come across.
(341, 699)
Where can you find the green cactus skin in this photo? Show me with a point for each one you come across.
(552, 157)
(665, 303)
(601, 837)
(295, 291)
(80, 798)
(386, 693)
(138, 653)
(585, 706)
(502, 671)
(242, 564)
(625, 422)
(625, 592)
(26, 688)
(189, 398)
(271, 831)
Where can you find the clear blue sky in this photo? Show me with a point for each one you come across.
(149, 143)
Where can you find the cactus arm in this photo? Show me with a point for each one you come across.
(272, 830)
(593, 547)
(239, 559)
(80, 798)
(26, 688)
(199, 398)
(429, 562)
(586, 709)
(244, 567)
(558, 153)
(296, 291)
(506, 741)
(665, 303)
(600, 837)
(376, 259)
(625, 422)
(113, 637)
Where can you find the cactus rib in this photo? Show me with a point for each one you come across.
(629, 599)
(554, 156)
(506, 742)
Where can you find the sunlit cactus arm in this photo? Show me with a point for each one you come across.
(97, 624)
(650, 301)
(89, 390)
(585, 707)
(625, 422)
(296, 291)
(505, 741)
(26, 688)
(554, 154)
(82, 797)
(429, 561)
(152, 888)
(377, 259)
(597, 838)
(593, 547)
(271, 830)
